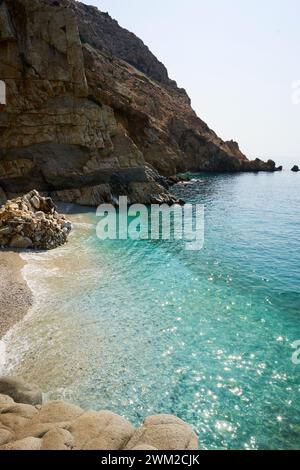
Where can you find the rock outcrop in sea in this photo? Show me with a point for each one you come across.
(28, 424)
(90, 112)
(295, 168)
(31, 221)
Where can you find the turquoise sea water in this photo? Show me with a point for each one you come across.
(141, 327)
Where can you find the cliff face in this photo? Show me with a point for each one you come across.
(91, 113)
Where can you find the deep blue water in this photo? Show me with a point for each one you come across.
(142, 327)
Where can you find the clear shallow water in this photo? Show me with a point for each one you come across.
(145, 327)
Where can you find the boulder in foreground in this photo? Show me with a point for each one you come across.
(165, 432)
(57, 425)
(31, 221)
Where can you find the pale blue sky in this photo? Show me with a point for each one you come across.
(236, 59)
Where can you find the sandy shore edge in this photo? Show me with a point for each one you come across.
(15, 295)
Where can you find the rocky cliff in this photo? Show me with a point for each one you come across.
(91, 113)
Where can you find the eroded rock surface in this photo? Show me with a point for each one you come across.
(31, 221)
(57, 425)
(16, 389)
(164, 431)
(89, 107)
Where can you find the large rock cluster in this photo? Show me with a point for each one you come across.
(89, 107)
(27, 424)
(31, 221)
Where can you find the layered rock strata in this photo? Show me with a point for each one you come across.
(91, 114)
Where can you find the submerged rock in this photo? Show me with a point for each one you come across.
(57, 425)
(19, 391)
(31, 221)
(295, 168)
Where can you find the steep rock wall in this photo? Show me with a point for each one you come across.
(89, 108)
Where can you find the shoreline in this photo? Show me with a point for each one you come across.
(16, 297)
